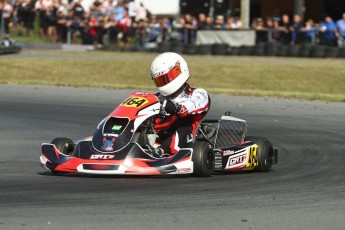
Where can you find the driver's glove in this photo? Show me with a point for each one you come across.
(171, 107)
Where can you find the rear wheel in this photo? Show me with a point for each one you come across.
(265, 153)
(64, 145)
(203, 159)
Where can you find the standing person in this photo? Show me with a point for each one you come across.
(285, 36)
(309, 31)
(201, 24)
(124, 24)
(190, 27)
(7, 10)
(209, 23)
(51, 17)
(328, 32)
(170, 73)
(141, 13)
(341, 29)
(41, 6)
(295, 29)
(29, 17)
(132, 10)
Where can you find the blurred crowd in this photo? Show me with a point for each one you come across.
(296, 30)
(125, 22)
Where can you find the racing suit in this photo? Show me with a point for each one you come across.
(191, 106)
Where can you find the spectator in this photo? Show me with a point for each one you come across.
(140, 34)
(233, 23)
(119, 11)
(141, 13)
(190, 27)
(28, 16)
(309, 31)
(341, 29)
(269, 23)
(51, 19)
(124, 26)
(295, 29)
(78, 10)
(236, 24)
(275, 33)
(201, 24)
(154, 28)
(7, 10)
(132, 10)
(328, 31)
(166, 27)
(219, 23)
(261, 30)
(258, 24)
(179, 26)
(229, 23)
(285, 36)
(209, 23)
(41, 6)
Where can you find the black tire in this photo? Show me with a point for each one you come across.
(265, 153)
(203, 159)
(341, 53)
(282, 52)
(318, 51)
(177, 48)
(164, 47)
(64, 145)
(220, 49)
(272, 48)
(331, 52)
(305, 50)
(190, 49)
(259, 50)
(293, 51)
(204, 49)
(234, 51)
(246, 50)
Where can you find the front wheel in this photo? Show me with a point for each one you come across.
(265, 153)
(64, 145)
(203, 159)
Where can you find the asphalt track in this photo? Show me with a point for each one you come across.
(306, 190)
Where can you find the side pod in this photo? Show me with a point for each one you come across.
(53, 156)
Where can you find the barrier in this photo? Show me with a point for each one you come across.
(234, 38)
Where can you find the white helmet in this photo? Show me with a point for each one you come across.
(169, 71)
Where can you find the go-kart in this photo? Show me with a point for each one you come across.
(123, 143)
(8, 46)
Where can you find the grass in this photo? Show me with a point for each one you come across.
(314, 79)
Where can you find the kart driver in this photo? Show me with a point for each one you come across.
(170, 73)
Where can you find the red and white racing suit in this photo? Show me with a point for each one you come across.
(193, 104)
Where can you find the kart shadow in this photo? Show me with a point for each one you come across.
(83, 175)
(180, 176)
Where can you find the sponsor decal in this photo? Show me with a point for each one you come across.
(108, 145)
(236, 160)
(134, 102)
(101, 156)
(116, 127)
(184, 170)
(252, 157)
(141, 93)
(228, 152)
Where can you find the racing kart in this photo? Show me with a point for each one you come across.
(8, 45)
(123, 143)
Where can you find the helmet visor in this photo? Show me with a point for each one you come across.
(164, 79)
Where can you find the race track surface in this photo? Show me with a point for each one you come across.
(306, 190)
